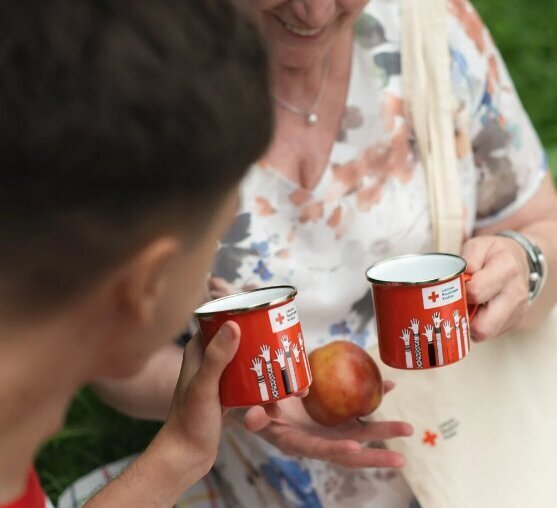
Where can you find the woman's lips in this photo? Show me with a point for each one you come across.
(301, 31)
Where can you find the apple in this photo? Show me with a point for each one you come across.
(346, 384)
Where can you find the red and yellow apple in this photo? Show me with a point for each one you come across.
(346, 384)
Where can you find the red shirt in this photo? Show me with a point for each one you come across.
(33, 497)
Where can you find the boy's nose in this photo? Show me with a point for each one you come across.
(314, 13)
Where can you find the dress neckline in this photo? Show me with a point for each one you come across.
(262, 165)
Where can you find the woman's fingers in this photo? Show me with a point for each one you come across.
(371, 457)
(298, 443)
(388, 386)
(344, 452)
(500, 283)
(476, 250)
(272, 410)
(501, 266)
(303, 394)
(502, 313)
(488, 282)
(256, 419)
(219, 288)
(371, 431)
(379, 431)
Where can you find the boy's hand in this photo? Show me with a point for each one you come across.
(195, 418)
(185, 448)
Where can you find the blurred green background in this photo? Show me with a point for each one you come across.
(524, 31)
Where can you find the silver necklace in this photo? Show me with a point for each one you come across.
(311, 117)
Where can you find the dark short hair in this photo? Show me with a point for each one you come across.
(116, 119)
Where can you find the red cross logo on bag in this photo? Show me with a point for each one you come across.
(429, 438)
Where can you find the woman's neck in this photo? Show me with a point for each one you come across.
(301, 85)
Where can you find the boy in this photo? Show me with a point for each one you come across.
(122, 138)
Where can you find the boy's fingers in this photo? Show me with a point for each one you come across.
(193, 352)
(218, 354)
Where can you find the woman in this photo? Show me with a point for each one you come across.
(342, 187)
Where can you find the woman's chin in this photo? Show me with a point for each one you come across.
(296, 59)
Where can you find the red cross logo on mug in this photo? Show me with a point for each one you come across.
(422, 315)
(271, 362)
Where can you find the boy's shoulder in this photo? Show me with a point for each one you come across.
(33, 497)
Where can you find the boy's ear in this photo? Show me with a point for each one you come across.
(145, 276)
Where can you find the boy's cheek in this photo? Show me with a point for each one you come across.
(186, 280)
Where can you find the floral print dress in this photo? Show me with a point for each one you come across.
(371, 203)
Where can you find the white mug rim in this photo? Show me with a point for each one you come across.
(424, 282)
(206, 311)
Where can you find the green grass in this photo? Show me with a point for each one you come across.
(524, 31)
(552, 153)
(94, 435)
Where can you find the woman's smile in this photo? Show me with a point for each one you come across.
(299, 30)
(301, 34)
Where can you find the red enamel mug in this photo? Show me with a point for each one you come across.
(271, 363)
(423, 319)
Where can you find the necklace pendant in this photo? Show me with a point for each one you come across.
(312, 119)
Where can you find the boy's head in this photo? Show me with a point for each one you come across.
(125, 127)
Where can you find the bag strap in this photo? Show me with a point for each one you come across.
(427, 91)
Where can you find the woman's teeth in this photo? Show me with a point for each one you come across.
(303, 32)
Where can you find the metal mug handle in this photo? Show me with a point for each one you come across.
(472, 308)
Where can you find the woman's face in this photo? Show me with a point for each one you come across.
(302, 32)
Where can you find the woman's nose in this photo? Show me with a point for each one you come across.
(314, 13)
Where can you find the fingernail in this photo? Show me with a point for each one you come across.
(355, 448)
(227, 332)
(399, 462)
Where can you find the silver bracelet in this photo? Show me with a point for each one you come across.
(536, 261)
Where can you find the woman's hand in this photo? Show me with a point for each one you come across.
(288, 426)
(219, 288)
(499, 283)
(296, 434)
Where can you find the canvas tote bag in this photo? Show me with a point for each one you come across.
(486, 427)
